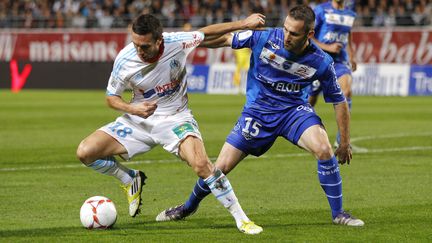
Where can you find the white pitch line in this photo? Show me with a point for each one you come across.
(399, 135)
(78, 165)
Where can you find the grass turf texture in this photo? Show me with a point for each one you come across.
(43, 184)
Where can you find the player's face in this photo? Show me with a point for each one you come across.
(295, 37)
(147, 48)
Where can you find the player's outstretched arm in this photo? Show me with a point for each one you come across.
(144, 109)
(214, 31)
(221, 41)
(343, 152)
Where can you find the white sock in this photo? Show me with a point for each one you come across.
(222, 190)
(109, 166)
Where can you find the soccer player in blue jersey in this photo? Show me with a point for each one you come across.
(333, 24)
(284, 62)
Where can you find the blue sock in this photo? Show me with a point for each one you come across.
(200, 191)
(331, 183)
(349, 101)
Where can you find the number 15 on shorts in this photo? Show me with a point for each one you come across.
(251, 127)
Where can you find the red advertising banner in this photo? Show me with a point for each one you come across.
(61, 46)
(407, 46)
(411, 46)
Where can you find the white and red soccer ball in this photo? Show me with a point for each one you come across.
(98, 213)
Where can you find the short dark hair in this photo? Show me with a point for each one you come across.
(147, 23)
(304, 13)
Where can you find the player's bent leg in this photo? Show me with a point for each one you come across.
(96, 152)
(315, 140)
(192, 150)
(98, 145)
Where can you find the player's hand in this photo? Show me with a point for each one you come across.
(254, 21)
(334, 47)
(144, 109)
(353, 64)
(344, 154)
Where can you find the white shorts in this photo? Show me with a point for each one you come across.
(139, 135)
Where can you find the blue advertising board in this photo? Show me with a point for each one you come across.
(420, 80)
(197, 78)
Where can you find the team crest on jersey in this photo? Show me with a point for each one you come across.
(280, 63)
(273, 45)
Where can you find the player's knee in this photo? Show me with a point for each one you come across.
(323, 151)
(84, 153)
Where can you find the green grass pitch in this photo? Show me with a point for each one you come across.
(42, 184)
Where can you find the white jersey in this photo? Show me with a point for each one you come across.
(163, 81)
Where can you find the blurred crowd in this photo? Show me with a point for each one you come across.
(194, 13)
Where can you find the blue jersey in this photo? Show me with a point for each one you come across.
(334, 25)
(279, 79)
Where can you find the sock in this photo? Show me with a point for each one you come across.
(222, 190)
(331, 183)
(200, 191)
(109, 166)
(349, 101)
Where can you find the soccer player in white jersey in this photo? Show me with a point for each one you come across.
(158, 114)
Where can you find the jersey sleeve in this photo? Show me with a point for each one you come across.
(244, 39)
(115, 86)
(189, 40)
(117, 81)
(331, 90)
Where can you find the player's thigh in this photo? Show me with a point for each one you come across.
(229, 157)
(315, 140)
(98, 145)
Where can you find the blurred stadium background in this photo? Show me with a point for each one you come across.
(72, 43)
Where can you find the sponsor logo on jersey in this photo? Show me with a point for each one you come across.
(286, 87)
(332, 36)
(183, 129)
(339, 19)
(280, 63)
(168, 88)
(192, 43)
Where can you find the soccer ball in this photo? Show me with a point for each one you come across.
(98, 213)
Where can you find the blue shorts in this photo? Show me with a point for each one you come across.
(341, 70)
(255, 132)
